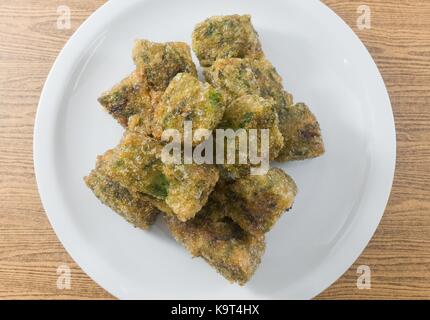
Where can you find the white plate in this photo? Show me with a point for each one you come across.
(342, 194)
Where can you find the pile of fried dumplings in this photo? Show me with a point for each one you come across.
(220, 213)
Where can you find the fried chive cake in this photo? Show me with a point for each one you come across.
(256, 202)
(302, 134)
(250, 112)
(179, 189)
(233, 252)
(133, 206)
(158, 63)
(225, 37)
(188, 99)
(237, 77)
(127, 98)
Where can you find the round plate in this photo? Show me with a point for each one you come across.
(342, 195)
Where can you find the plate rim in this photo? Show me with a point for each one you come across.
(42, 151)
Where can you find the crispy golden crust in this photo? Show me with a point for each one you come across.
(190, 186)
(270, 82)
(141, 123)
(255, 202)
(234, 77)
(301, 133)
(225, 37)
(234, 253)
(181, 190)
(158, 63)
(187, 99)
(232, 172)
(251, 112)
(254, 112)
(132, 206)
(127, 98)
(238, 77)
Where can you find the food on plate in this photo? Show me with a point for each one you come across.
(269, 81)
(219, 211)
(302, 133)
(256, 202)
(254, 112)
(234, 253)
(237, 77)
(225, 37)
(188, 99)
(183, 188)
(234, 77)
(131, 205)
(127, 98)
(158, 63)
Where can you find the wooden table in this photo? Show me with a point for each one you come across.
(399, 253)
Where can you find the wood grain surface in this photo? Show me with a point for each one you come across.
(399, 253)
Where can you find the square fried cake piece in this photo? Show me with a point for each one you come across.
(225, 37)
(178, 189)
(302, 134)
(188, 99)
(256, 202)
(252, 112)
(158, 63)
(134, 207)
(234, 253)
(127, 98)
(237, 77)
